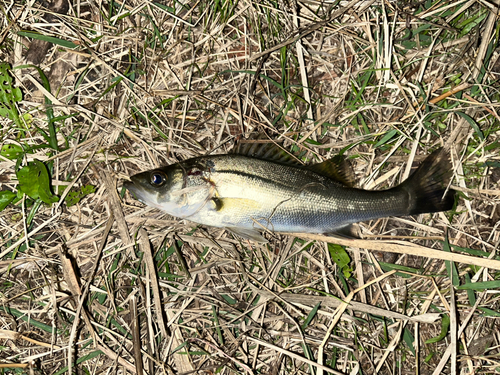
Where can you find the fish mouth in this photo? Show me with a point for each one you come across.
(129, 185)
(135, 190)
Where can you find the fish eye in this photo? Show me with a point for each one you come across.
(158, 178)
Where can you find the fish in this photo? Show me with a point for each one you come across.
(261, 189)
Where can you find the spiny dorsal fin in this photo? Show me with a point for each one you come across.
(336, 168)
(265, 150)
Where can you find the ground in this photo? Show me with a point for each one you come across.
(93, 281)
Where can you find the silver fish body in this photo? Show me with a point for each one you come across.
(248, 195)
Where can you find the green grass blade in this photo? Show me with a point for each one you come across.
(49, 39)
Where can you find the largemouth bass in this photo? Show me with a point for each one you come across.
(251, 194)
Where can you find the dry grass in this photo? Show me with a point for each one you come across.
(107, 285)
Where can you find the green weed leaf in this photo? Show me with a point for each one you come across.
(386, 138)
(11, 151)
(6, 197)
(34, 181)
(398, 267)
(83, 359)
(9, 95)
(472, 22)
(489, 312)
(409, 339)
(311, 315)
(481, 285)
(46, 38)
(473, 124)
(450, 266)
(341, 258)
(491, 164)
(75, 197)
(445, 325)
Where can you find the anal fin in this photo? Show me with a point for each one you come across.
(249, 234)
(351, 232)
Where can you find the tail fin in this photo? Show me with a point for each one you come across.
(426, 188)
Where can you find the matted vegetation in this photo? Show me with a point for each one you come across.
(92, 281)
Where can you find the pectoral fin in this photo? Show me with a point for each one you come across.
(235, 204)
(250, 234)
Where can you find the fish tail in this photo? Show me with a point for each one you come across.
(428, 188)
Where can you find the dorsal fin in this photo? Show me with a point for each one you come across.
(336, 168)
(265, 150)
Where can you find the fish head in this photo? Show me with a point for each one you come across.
(154, 188)
(173, 189)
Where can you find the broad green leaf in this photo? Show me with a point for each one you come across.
(28, 180)
(6, 197)
(4, 112)
(34, 181)
(217, 325)
(312, 142)
(229, 299)
(9, 95)
(11, 151)
(478, 253)
(492, 146)
(341, 258)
